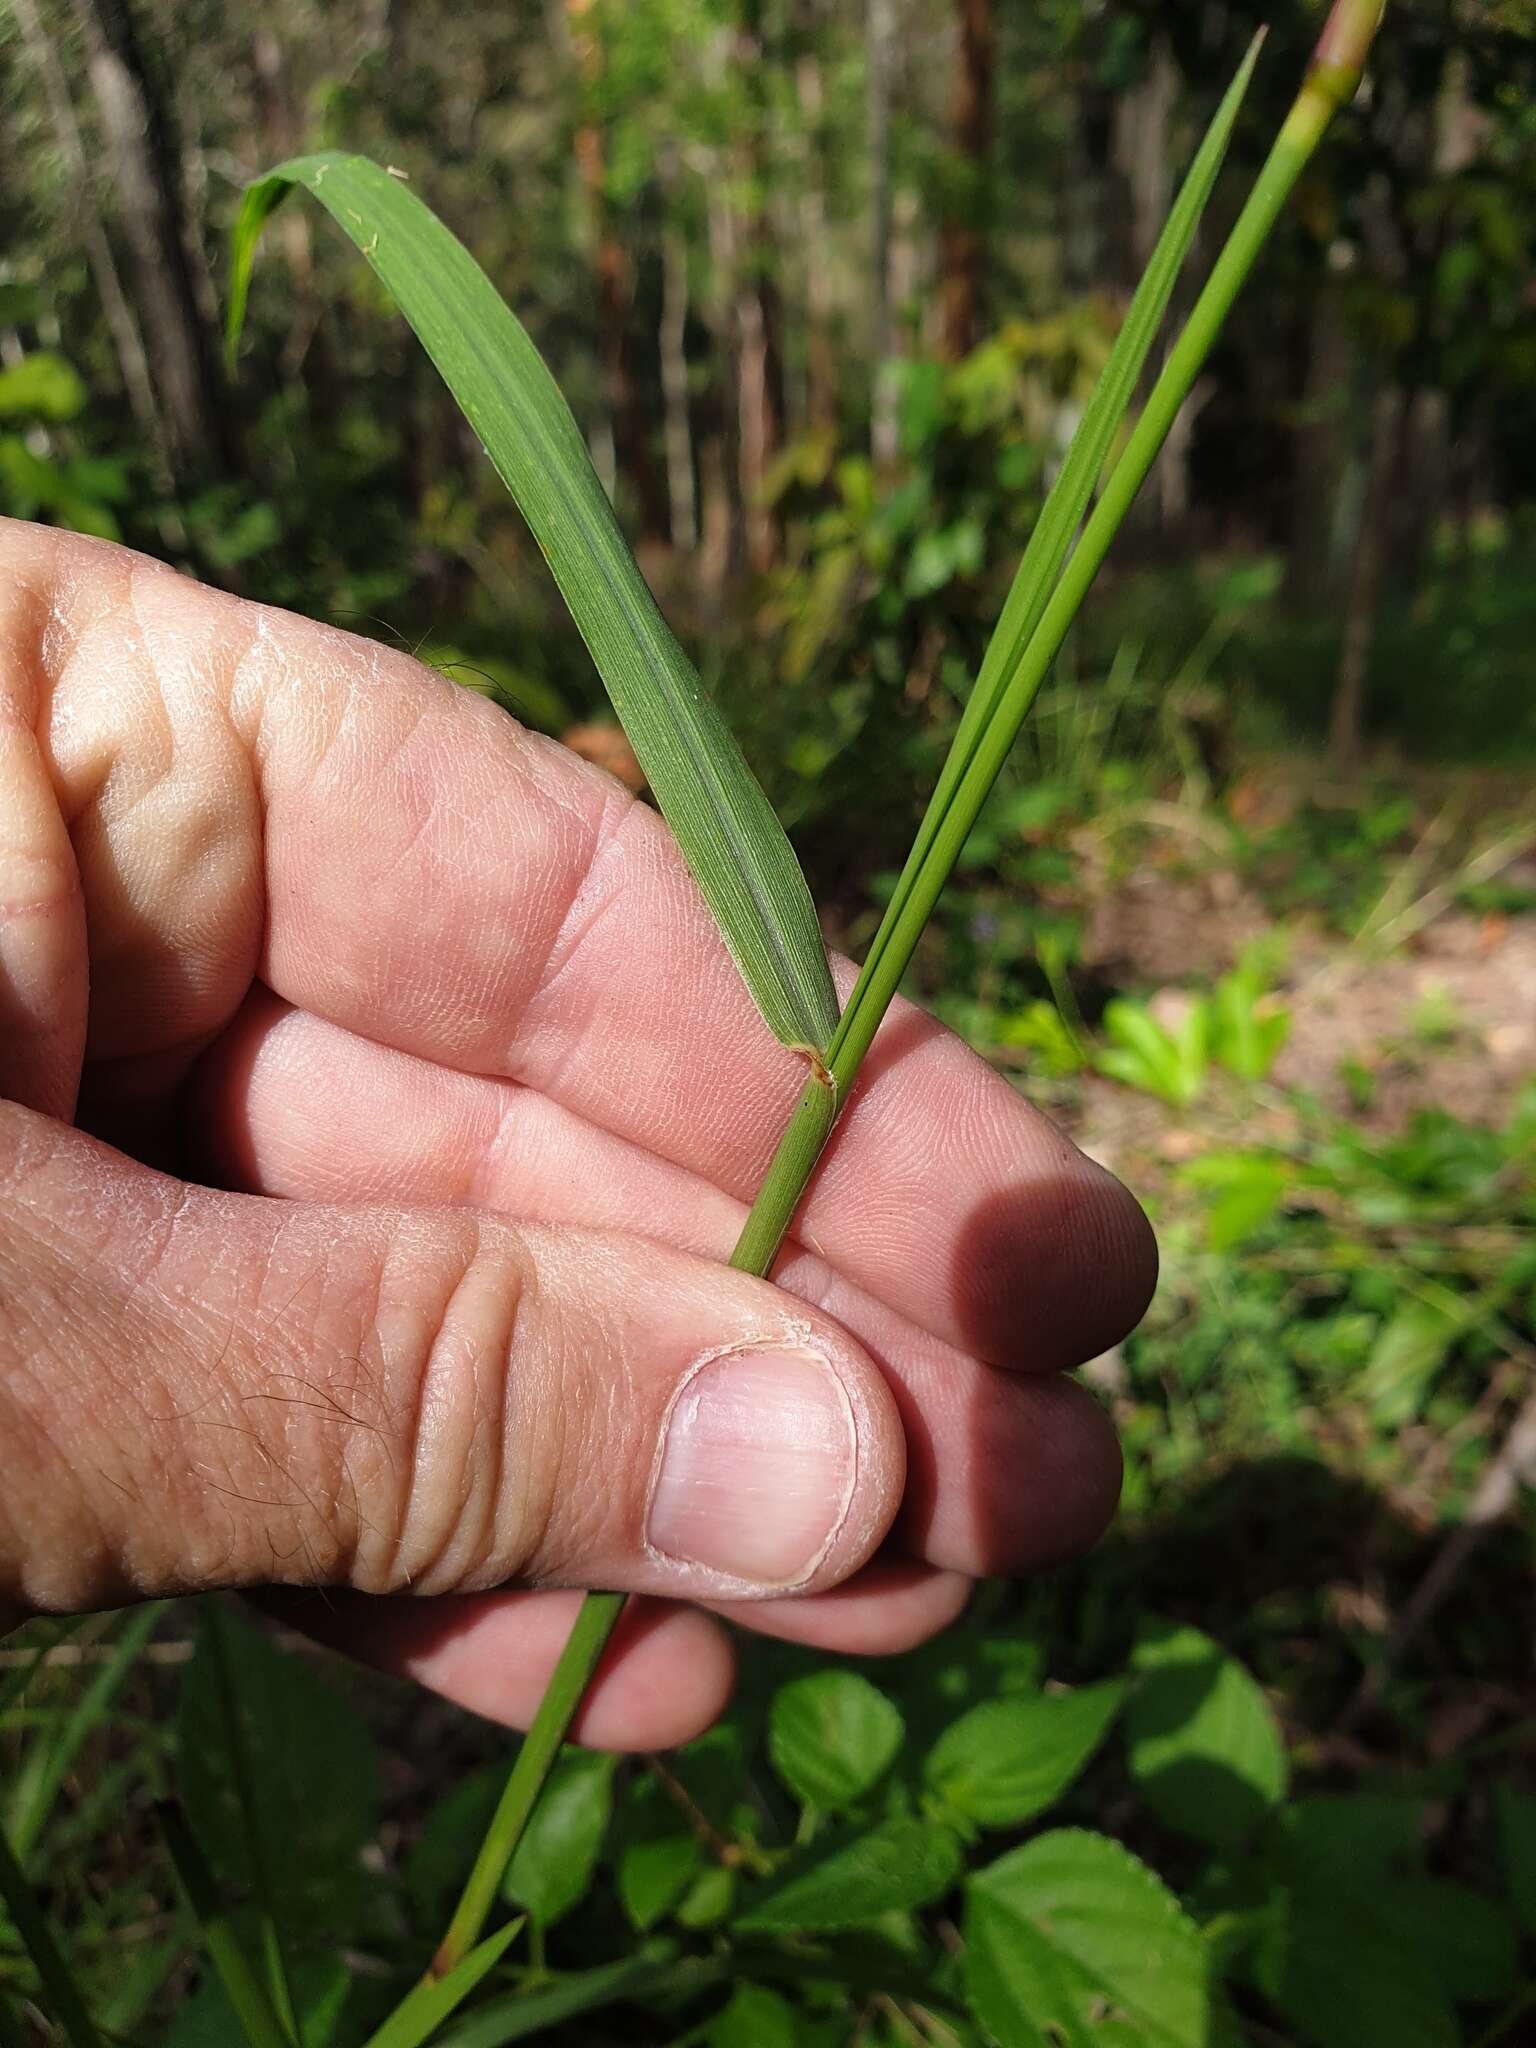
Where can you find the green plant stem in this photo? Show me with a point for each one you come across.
(31, 1924)
(594, 1624)
(1329, 84)
(243, 1987)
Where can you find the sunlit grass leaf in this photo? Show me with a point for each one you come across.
(1068, 499)
(722, 821)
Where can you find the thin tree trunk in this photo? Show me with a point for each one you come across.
(820, 355)
(681, 498)
(880, 38)
(143, 152)
(615, 294)
(282, 135)
(1367, 571)
(1321, 447)
(124, 327)
(962, 235)
(759, 377)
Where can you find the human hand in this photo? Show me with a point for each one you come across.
(284, 913)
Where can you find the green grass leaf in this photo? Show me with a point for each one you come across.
(831, 1736)
(1068, 500)
(722, 821)
(419, 2015)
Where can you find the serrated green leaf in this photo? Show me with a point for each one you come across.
(832, 1736)
(1203, 1744)
(722, 821)
(845, 1882)
(558, 1853)
(1008, 1760)
(1071, 1934)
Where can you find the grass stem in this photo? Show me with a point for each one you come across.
(983, 744)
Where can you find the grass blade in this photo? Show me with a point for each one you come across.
(423, 2010)
(246, 1793)
(1067, 500)
(31, 1923)
(39, 1784)
(243, 1987)
(719, 815)
(637, 1980)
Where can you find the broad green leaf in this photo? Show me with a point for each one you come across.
(754, 2018)
(558, 1853)
(434, 1869)
(313, 1760)
(723, 823)
(321, 1985)
(831, 1737)
(422, 2011)
(1203, 1743)
(1350, 1956)
(1071, 1936)
(1007, 1760)
(659, 1854)
(844, 1882)
(1516, 1816)
(1062, 513)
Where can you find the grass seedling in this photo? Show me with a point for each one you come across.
(723, 824)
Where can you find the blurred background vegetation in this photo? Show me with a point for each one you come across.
(1254, 912)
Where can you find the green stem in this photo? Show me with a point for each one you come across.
(243, 1987)
(31, 1924)
(595, 1621)
(1329, 85)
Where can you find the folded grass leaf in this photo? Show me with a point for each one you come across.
(719, 815)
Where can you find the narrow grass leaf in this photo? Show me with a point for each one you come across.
(37, 1938)
(243, 1987)
(722, 821)
(38, 1786)
(1067, 501)
(423, 2010)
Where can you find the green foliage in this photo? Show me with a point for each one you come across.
(832, 1736)
(1008, 1760)
(1072, 1932)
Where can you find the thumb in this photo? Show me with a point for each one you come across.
(200, 1390)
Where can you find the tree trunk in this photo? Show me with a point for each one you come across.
(820, 355)
(962, 235)
(143, 151)
(681, 496)
(880, 39)
(1367, 571)
(615, 294)
(127, 340)
(1321, 448)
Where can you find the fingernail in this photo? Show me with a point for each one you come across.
(757, 1467)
